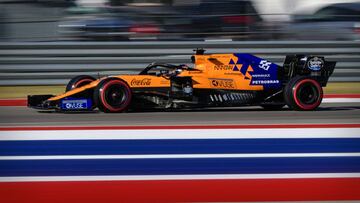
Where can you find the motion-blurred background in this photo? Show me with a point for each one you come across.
(138, 20)
(48, 42)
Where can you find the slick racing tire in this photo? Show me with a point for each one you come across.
(303, 93)
(112, 95)
(79, 81)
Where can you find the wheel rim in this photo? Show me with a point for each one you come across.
(307, 94)
(115, 95)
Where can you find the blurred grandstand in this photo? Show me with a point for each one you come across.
(124, 20)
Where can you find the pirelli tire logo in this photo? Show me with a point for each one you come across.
(222, 83)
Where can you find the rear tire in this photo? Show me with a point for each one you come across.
(112, 95)
(303, 93)
(79, 81)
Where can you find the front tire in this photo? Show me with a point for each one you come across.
(79, 81)
(112, 95)
(303, 93)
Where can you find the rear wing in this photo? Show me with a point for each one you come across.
(314, 66)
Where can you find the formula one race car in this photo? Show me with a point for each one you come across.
(216, 80)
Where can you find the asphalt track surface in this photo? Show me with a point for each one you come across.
(327, 113)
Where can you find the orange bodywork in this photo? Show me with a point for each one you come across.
(215, 72)
(211, 71)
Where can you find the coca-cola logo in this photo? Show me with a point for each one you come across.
(143, 82)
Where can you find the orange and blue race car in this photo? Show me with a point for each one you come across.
(215, 80)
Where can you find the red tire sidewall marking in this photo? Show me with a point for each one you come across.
(127, 92)
(307, 106)
(76, 85)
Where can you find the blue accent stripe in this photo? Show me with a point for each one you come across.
(258, 69)
(186, 146)
(179, 166)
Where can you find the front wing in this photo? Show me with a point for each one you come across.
(66, 104)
